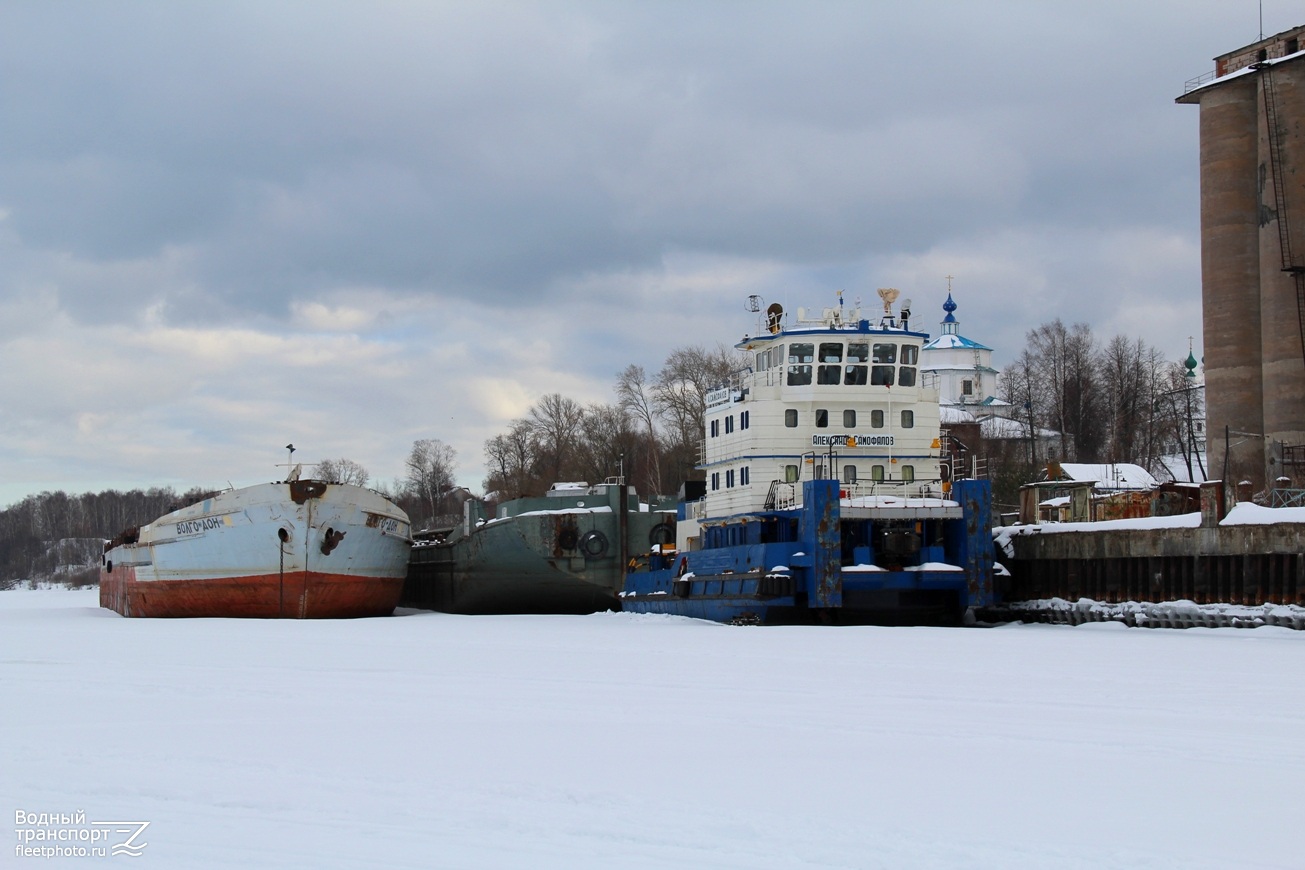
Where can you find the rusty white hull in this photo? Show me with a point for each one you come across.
(303, 549)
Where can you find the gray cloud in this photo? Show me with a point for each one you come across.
(593, 182)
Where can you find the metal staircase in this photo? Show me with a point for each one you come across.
(1275, 136)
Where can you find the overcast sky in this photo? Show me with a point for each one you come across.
(225, 226)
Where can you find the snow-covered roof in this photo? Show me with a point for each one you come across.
(1118, 475)
(987, 370)
(954, 414)
(1237, 73)
(987, 405)
(949, 342)
(1175, 467)
(995, 428)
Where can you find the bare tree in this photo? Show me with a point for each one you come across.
(680, 391)
(608, 442)
(1064, 360)
(554, 423)
(510, 459)
(343, 471)
(1133, 376)
(430, 474)
(635, 396)
(1021, 385)
(1180, 426)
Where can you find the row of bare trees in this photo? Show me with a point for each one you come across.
(49, 533)
(649, 435)
(1118, 402)
(426, 491)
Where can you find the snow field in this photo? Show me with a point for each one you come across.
(617, 740)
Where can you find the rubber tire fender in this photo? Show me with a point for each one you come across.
(662, 533)
(593, 543)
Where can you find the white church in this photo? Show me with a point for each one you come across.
(967, 382)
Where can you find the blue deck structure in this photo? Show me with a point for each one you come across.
(827, 562)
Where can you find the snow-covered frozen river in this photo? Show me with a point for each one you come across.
(622, 741)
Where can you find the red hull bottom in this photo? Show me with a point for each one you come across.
(298, 595)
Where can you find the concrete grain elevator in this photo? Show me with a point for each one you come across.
(1252, 154)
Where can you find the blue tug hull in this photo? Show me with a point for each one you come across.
(826, 564)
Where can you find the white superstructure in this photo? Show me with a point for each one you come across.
(838, 395)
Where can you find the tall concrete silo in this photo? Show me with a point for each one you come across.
(1252, 132)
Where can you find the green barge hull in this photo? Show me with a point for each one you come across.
(565, 553)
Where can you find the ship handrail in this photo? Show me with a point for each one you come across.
(862, 489)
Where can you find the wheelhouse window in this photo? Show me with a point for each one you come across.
(800, 357)
(881, 376)
(790, 418)
(885, 353)
(858, 353)
(849, 419)
(910, 358)
(831, 359)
